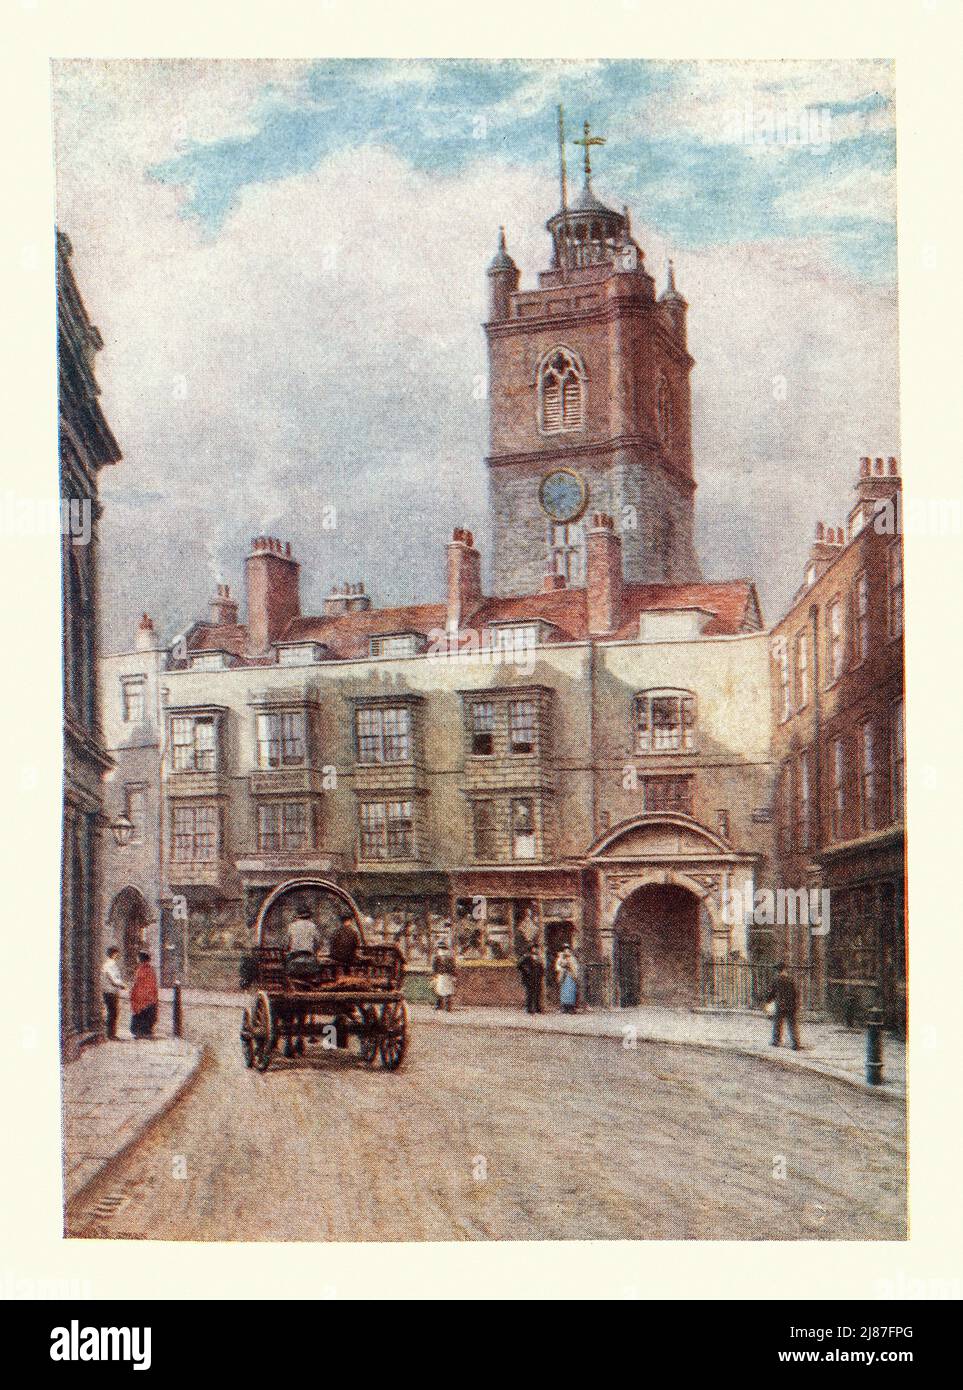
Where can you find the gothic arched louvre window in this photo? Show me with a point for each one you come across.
(561, 392)
(664, 410)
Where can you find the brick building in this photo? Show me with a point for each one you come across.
(838, 744)
(582, 763)
(86, 445)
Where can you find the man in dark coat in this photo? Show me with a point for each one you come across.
(344, 942)
(531, 967)
(785, 996)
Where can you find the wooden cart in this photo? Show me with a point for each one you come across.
(363, 1000)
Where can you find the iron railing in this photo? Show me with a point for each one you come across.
(743, 984)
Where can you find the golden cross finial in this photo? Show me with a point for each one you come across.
(587, 141)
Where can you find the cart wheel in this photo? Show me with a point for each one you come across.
(262, 1029)
(394, 1037)
(368, 1037)
(247, 1040)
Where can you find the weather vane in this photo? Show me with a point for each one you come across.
(587, 141)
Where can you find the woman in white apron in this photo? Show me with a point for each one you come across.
(443, 976)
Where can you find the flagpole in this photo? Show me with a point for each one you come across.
(563, 182)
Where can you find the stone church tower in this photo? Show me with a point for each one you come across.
(589, 407)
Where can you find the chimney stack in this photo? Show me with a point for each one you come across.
(273, 597)
(603, 582)
(347, 598)
(827, 545)
(223, 607)
(464, 578)
(146, 640)
(879, 479)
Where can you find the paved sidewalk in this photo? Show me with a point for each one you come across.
(112, 1094)
(829, 1048)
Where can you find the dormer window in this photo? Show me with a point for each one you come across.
(210, 661)
(664, 721)
(561, 393)
(300, 653)
(396, 644)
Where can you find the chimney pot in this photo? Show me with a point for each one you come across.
(144, 641)
(893, 467)
(820, 530)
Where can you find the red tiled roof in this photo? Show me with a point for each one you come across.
(347, 633)
(733, 602)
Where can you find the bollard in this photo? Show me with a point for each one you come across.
(874, 1048)
(178, 1013)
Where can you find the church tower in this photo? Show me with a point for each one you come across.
(589, 405)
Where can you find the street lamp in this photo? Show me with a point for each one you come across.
(123, 831)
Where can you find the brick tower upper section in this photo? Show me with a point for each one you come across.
(589, 408)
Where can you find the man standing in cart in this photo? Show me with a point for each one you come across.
(302, 941)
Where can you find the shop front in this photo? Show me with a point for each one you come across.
(866, 943)
(498, 915)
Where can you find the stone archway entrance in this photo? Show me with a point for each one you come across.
(663, 884)
(127, 928)
(656, 946)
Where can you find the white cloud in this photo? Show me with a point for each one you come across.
(722, 98)
(862, 193)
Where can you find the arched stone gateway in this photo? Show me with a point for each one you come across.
(656, 946)
(127, 924)
(663, 882)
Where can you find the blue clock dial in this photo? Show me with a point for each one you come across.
(563, 495)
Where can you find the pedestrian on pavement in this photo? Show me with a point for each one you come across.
(143, 999)
(531, 967)
(785, 998)
(113, 986)
(443, 972)
(566, 970)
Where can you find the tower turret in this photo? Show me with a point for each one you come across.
(676, 305)
(503, 279)
(589, 405)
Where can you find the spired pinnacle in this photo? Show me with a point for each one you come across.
(671, 294)
(501, 260)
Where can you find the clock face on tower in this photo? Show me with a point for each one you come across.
(563, 495)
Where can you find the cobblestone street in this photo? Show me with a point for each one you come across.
(506, 1135)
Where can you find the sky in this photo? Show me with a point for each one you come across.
(287, 264)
